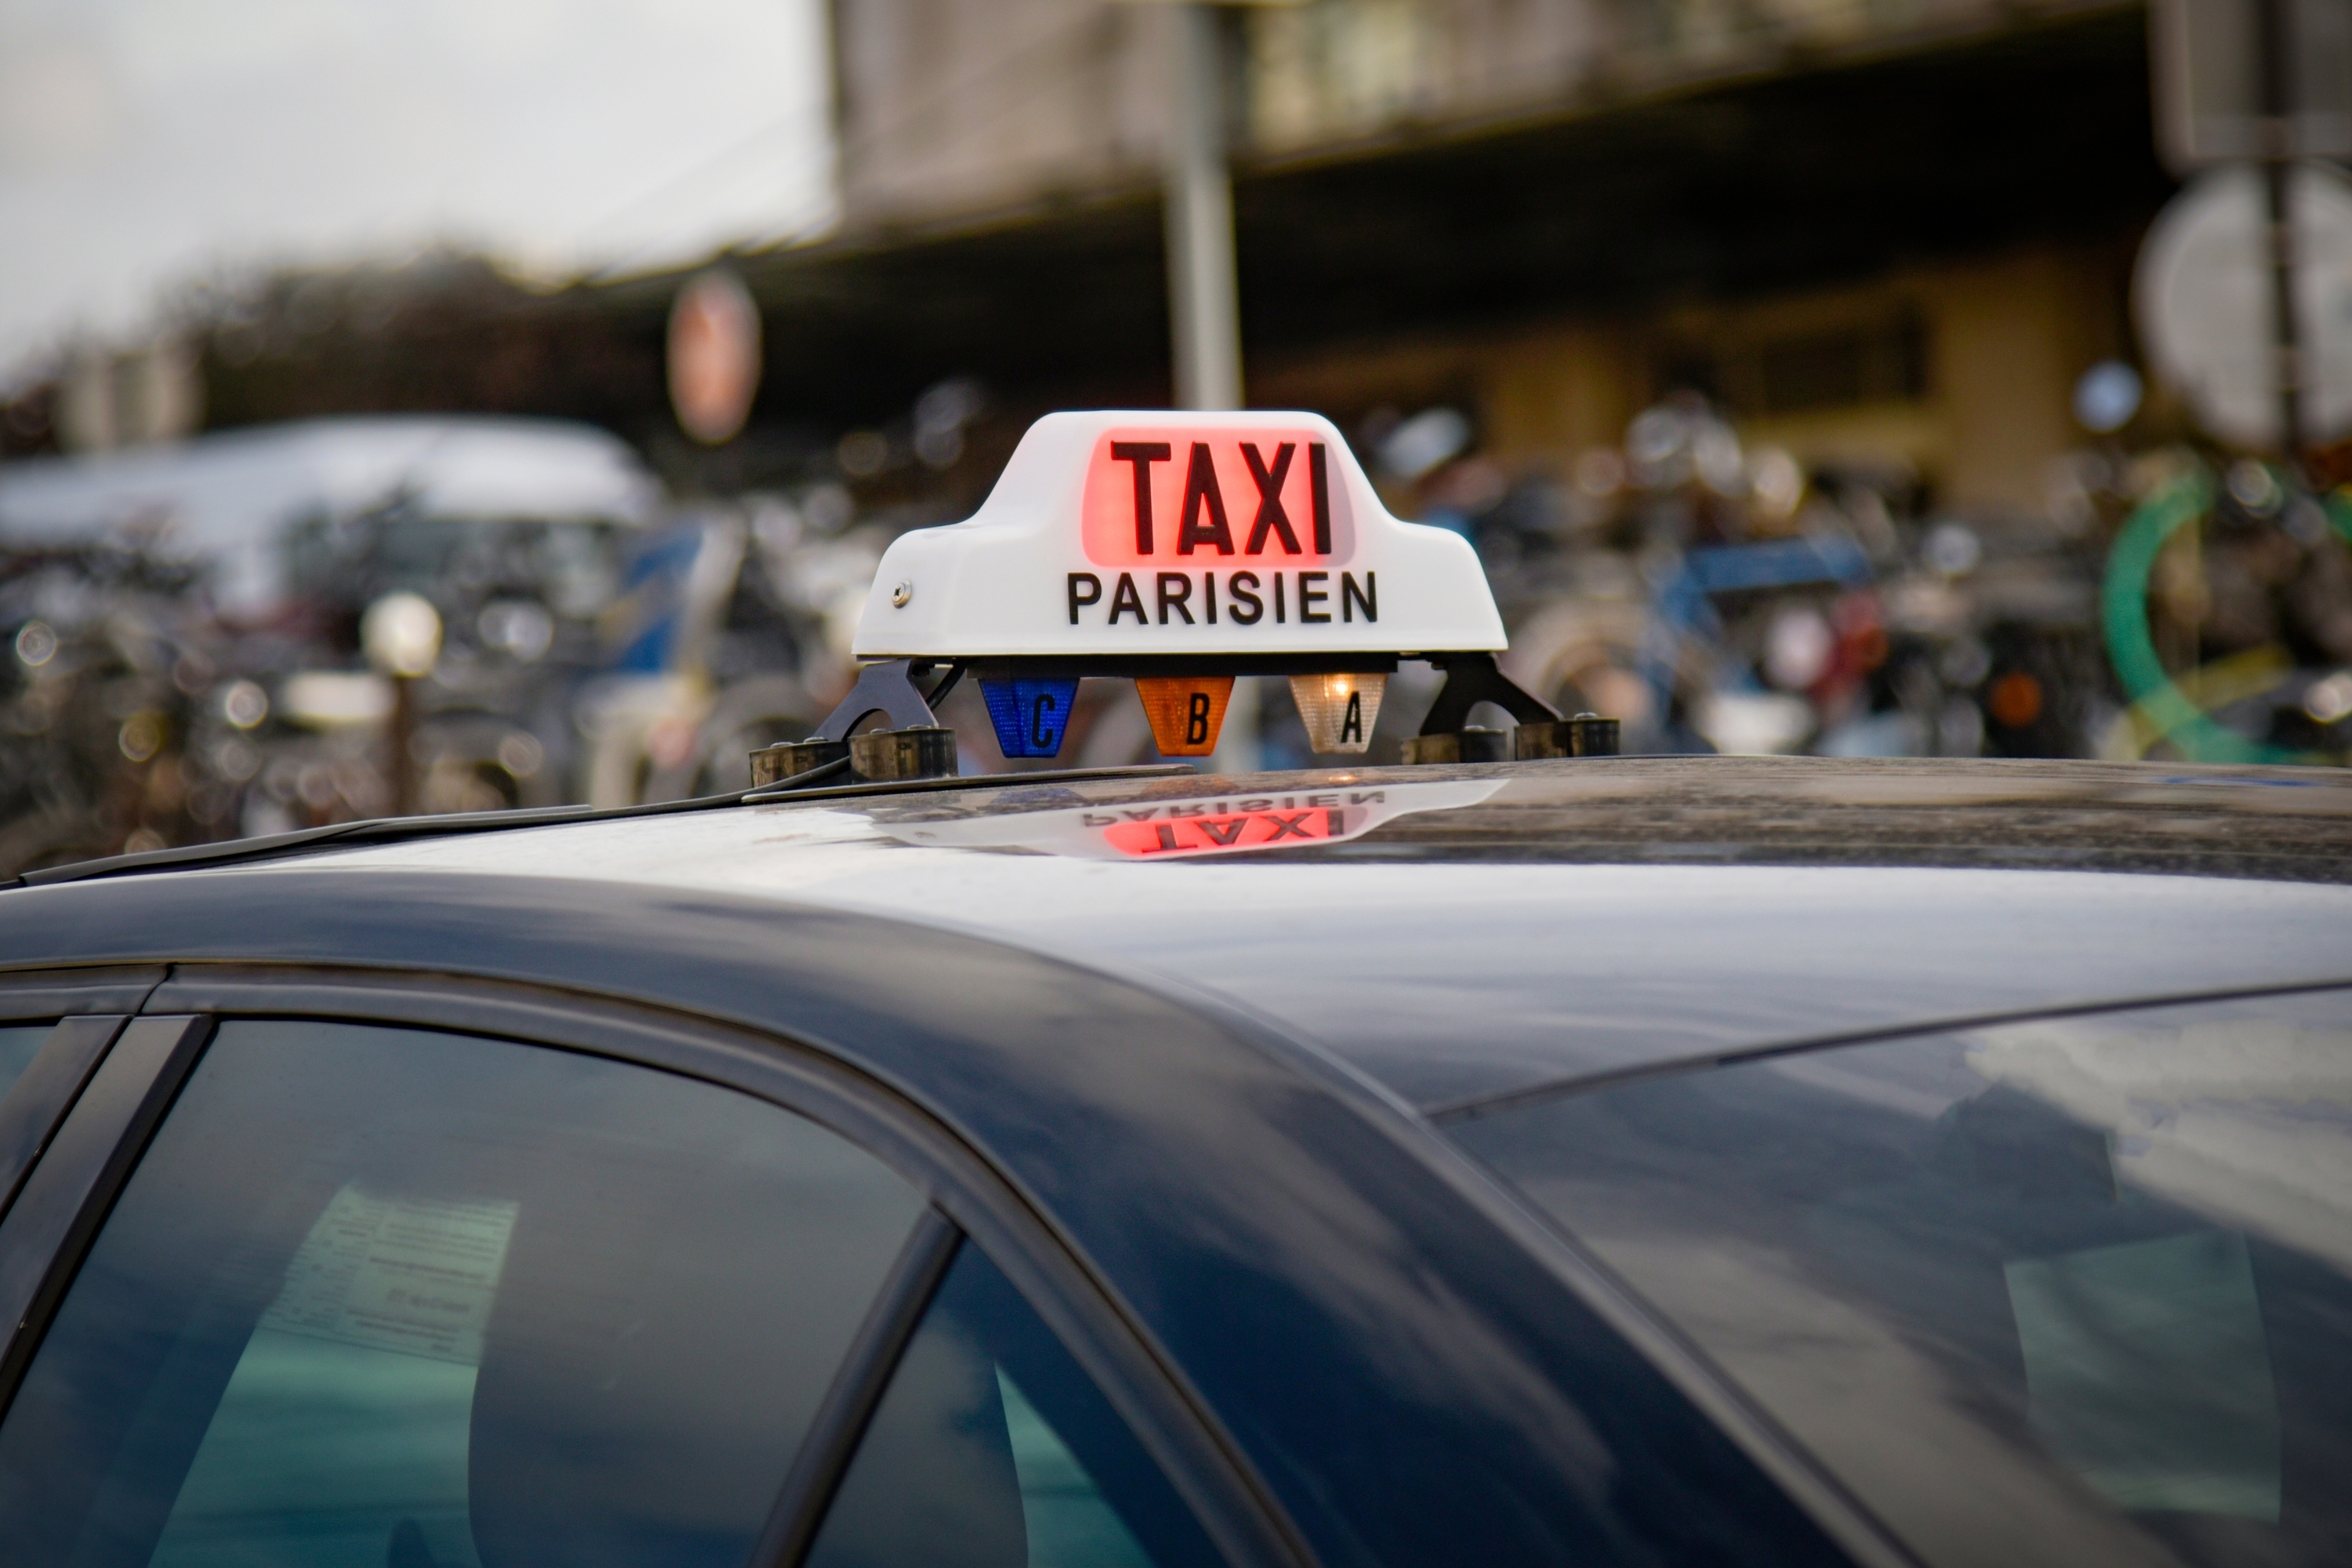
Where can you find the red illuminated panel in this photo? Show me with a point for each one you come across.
(1226, 835)
(1206, 498)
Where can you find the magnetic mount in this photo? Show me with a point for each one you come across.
(916, 746)
(1538, 731)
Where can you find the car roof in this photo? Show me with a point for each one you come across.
(1493, 931)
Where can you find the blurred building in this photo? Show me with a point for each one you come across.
(1885, 232)
(1871, 229)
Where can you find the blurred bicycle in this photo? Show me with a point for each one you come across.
(2226, 611)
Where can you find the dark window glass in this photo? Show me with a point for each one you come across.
(991, 1449)
(380, 1297)
(2072, 1292)
(20, 1043)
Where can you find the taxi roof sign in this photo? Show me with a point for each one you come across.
(1183, 549)
(1115, 539)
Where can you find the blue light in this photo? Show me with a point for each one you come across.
(1029, 715)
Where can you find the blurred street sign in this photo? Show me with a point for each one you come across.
(714, 356)
(2215, 100)
(2204, 298)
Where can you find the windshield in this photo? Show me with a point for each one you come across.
(2075, 1291)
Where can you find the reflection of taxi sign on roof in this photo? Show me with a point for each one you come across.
(1181, 550)
(1194, 827)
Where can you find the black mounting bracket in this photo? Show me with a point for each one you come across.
(886, 688)
(1472, 679)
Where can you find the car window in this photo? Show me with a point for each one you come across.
(20, 1043)
(2067, 1292)
(990, 1448)
(386, 1297)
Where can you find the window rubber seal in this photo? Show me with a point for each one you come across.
(857, 1391)
(72, 1188)
(37, 1104)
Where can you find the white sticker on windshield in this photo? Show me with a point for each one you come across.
(411, 1275)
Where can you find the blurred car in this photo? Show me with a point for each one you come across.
(230, 501)
(1632, 1161)
(275, 540)
(196, 612)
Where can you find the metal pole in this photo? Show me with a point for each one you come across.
(2278, 170)
(401, 740)
(1204, 302)
(1203, 312)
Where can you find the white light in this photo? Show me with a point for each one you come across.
(2330, 699)
(401, 634)
(1953, 549)
(1777, 481)
(2253, 487)
(36, 644)
(142, 735)
(518, 627)
(244, 704)
(1754, 723)
(331, 699)
(2107, 397)
(1424, 441)
(1338, 709)
(521, 754)
(1716, 459)
(1798, 648)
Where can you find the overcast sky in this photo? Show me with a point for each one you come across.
(143, 143)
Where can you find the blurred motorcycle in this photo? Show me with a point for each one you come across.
(1714, 597)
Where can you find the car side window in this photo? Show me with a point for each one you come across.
(379, 1296)
(991, 1448)
(20, 1043)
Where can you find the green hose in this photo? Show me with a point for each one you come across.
(2123, 615)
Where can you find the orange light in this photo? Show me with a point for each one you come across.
(1870, 647)
(2015, 699)
(1338, 709)
(1186, 712)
